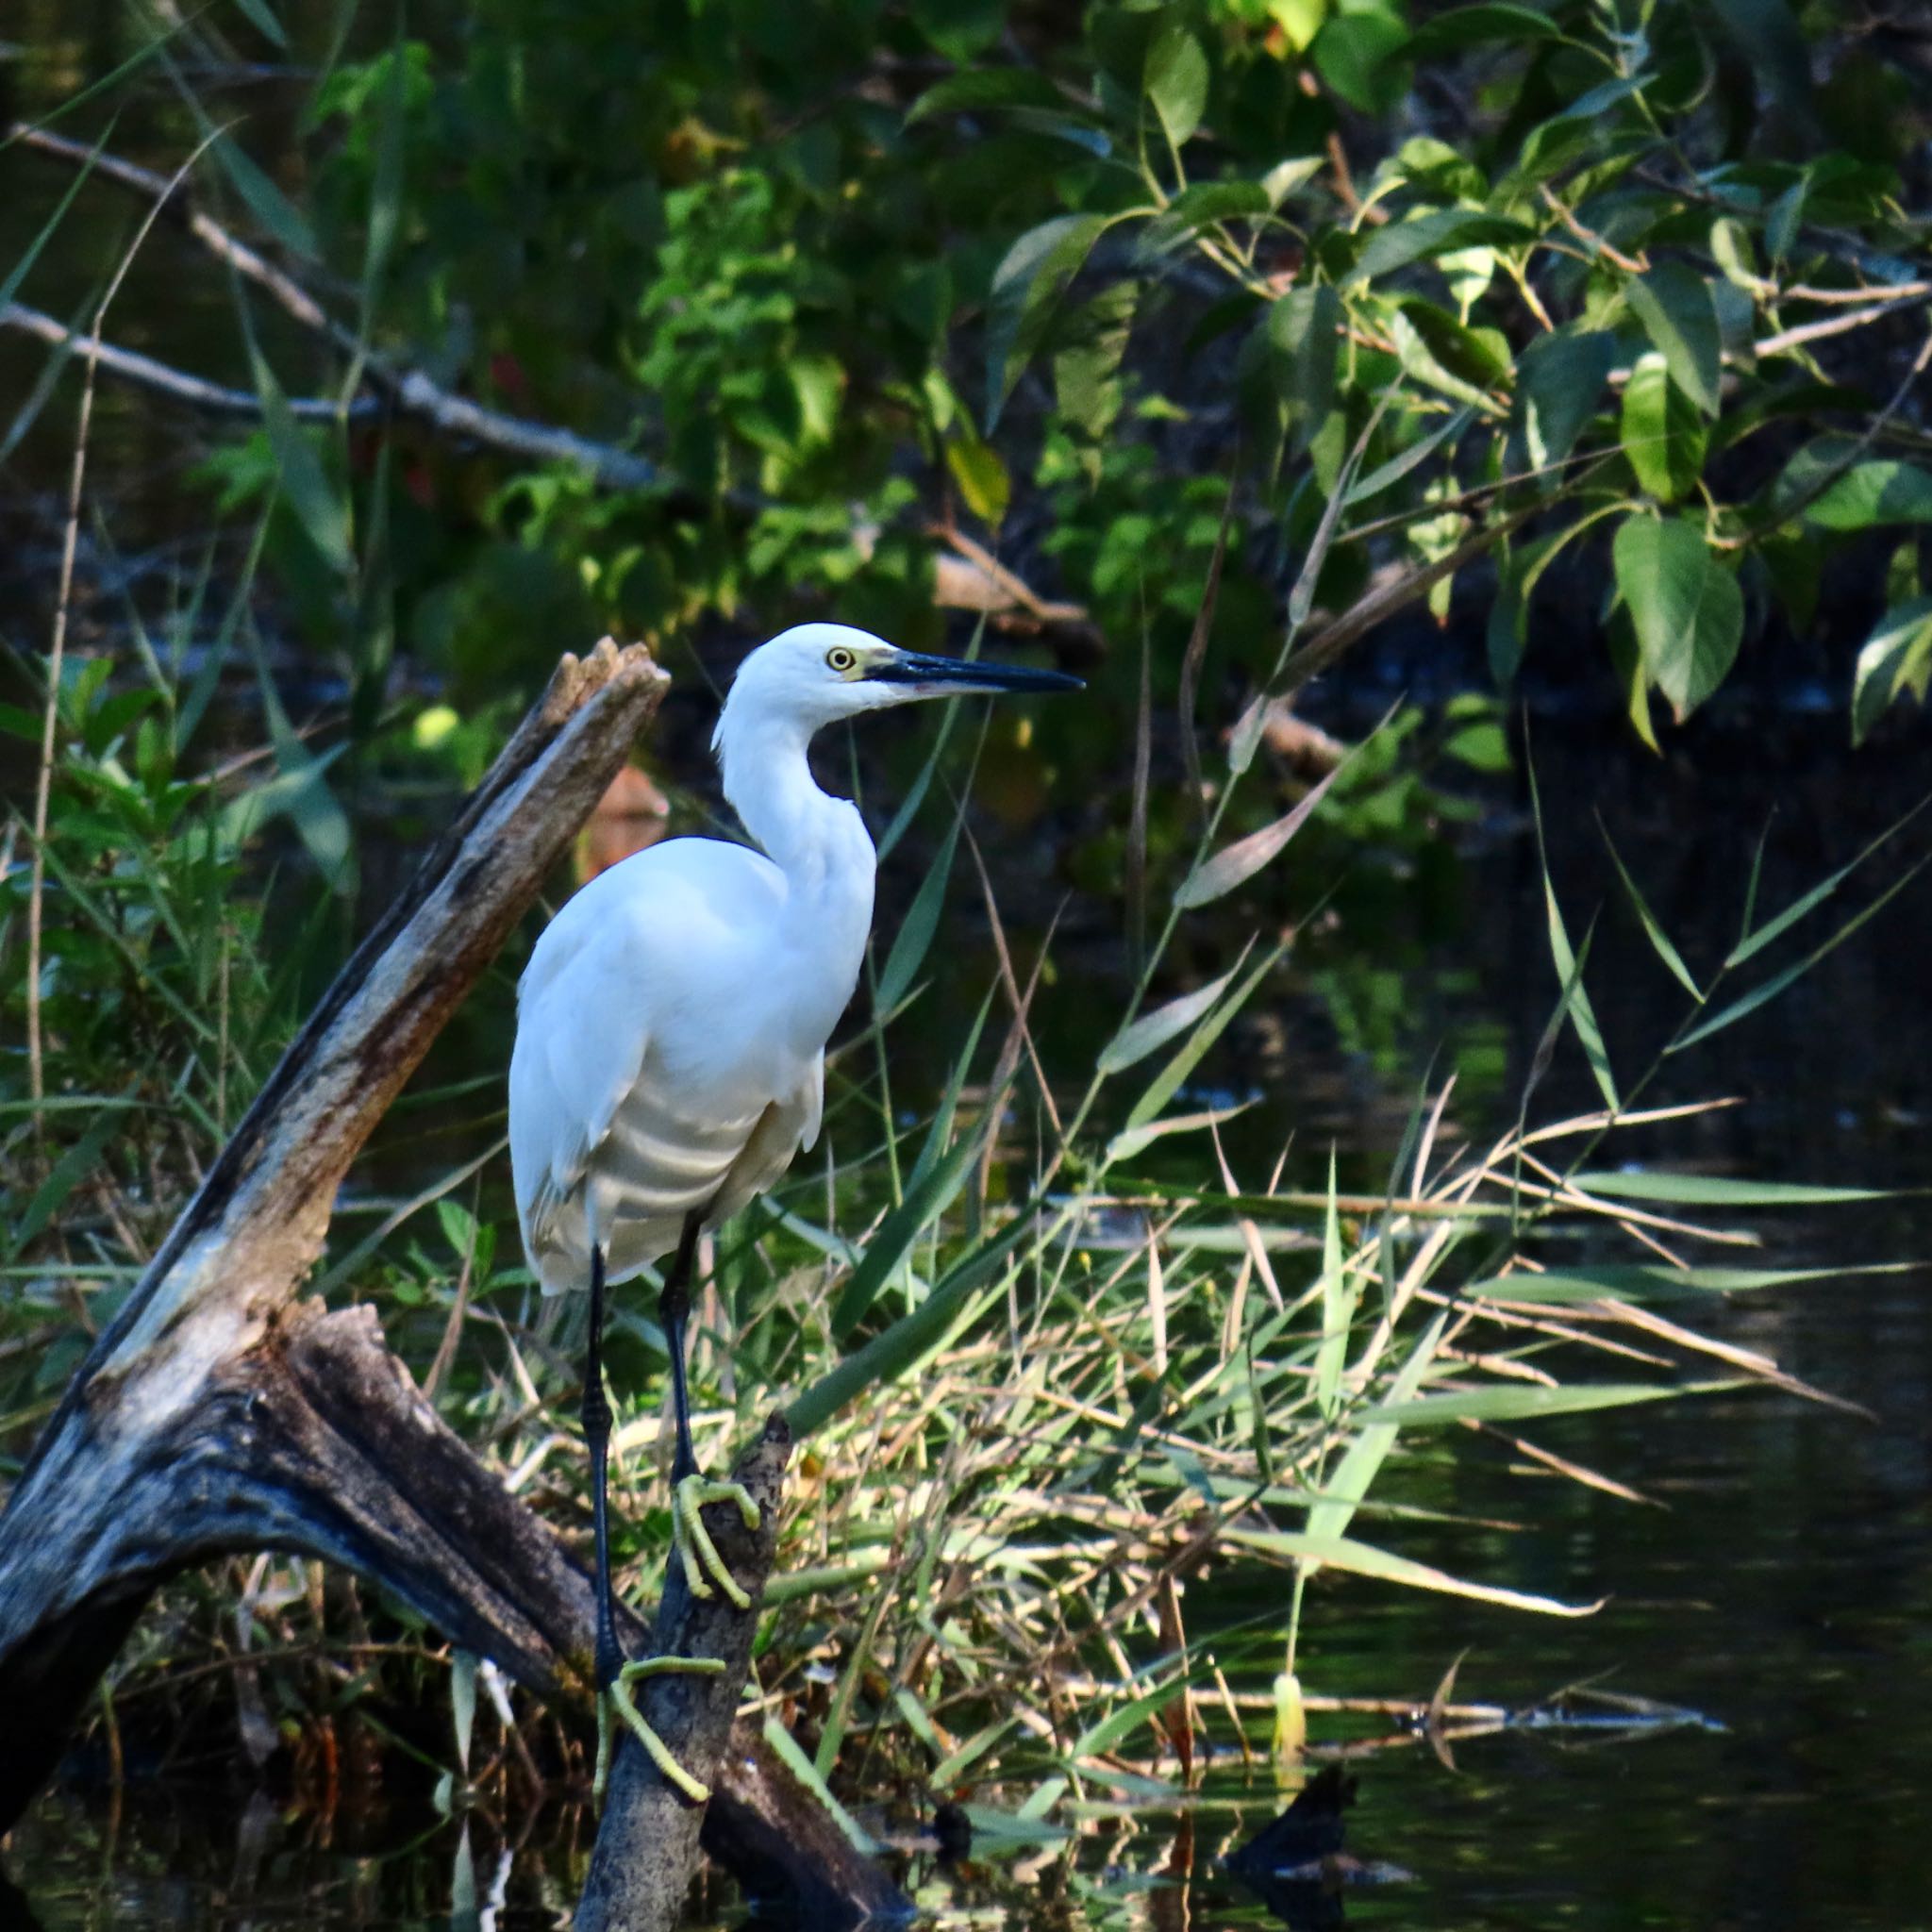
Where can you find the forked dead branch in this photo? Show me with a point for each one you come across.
(220, 1412)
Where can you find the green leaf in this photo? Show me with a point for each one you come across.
(1896, 659)
(987, 86)
(1559, 379)
(914, 937)
(1779, 982)
(912, 1337)
(1643, 1284)
(1865, 495)
(1687, 609)
(318, 507)
(1519, 1403)
(928, 1198)
(1233, 865)
(1201, 206)
(1304, 343)
(1284, 177)
(1027, 287)
(1423, 237)
(1673, 303)
(1660, 940)
(1362, 53)
(1087, 359)
(1474, 27)
(1437, 349)
(1663, 434)
(263, 16)
(1176, 79)
(1364, 1559)
(1719, 1190)
(266, 202)
(1553, 144)
(1152, 1031)
(981, 475)
(960, 30)
(1345, 1487)
(1168, 1081)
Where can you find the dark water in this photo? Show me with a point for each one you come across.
(1779, 1581)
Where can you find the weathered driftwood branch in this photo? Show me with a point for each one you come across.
(648, 1839)
(212, 1415)
(218, 1414)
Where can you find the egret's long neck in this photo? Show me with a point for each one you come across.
(817, 841)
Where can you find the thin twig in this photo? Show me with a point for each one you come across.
(1833, 325)
(1591, 240)
(215, 398)
(50, 715)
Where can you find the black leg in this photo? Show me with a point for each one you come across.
(673, 1309)
(596, 1414)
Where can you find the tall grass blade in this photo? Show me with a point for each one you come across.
(1152, 1031)
(1808, 902)
(1345, 1487)
(914, 939)
(1764, 994)
(806, 1772)
(1582, 1014)
(24, 266)
(263, 16)
(1338, 1307)
(1645, 1284)
(1364, 1559)
(72, 1167)
(1660, 940)
(1168, 1081)
(1719, 1190)
(1510, 1404)
(910, 1339)
(927, 1197)
(1234, 865)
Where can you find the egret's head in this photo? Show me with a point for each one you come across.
(818, 673)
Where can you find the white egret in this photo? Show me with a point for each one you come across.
(670, 1048)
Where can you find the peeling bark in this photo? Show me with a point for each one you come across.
(218, 1414)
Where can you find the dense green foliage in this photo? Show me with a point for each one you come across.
(1634, 282)
(1243, 328)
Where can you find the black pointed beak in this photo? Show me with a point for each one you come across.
(946, 676)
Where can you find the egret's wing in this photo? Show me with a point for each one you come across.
(814, 1097)
(582, 1032)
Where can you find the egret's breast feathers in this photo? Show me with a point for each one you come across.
(658, 1066)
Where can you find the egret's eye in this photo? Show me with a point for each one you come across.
(840, 659)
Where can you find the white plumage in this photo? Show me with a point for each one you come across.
(670, 1057)
(672, 1021)
(632, 1101)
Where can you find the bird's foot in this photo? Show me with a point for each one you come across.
(703, 1565)
(617, 1696)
